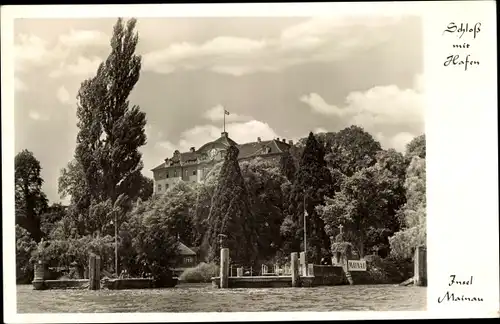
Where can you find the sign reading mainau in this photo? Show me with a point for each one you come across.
(356, 265)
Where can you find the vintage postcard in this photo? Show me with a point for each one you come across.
(216, 162)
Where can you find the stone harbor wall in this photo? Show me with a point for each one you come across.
(327, 275)
(66, 284)
(128, 283)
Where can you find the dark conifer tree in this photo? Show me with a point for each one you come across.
(231, 214)
(287, 166)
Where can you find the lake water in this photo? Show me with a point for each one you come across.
(204, 298)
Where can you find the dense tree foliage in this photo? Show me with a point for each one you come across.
(312, 183)
(287, 166)
(264, 182)
(30, 201)
(154, 228)
(416, 147)
(75, 251)
(367, 202)
(145, 188)
(48, 220)
(231, 214)
(352, 149)
(25, 246)
(413, 213)
(72, 183)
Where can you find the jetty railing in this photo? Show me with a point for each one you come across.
(236, 270)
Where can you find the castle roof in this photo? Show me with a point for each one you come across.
(246, 150)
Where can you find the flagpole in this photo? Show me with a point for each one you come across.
(224, 125)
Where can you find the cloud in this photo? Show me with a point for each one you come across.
(217, 114)
(83, 67)
(397, 141)
(320, 130)
(297, 44)
(31, 50)
(35, 115)
(63, 95)
(395, 115)
(81, 38)
(320, 106)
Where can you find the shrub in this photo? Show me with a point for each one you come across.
(25, 246)
(75, 252)
(201, 273)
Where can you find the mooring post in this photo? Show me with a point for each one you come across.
(39, 277)
(294, 262)
(420, 266)
(97, 274)
(303, 264)
(92, 272)
(224, 267)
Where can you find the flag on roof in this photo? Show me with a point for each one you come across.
(226, 112)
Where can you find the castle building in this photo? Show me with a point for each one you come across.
(194, 165)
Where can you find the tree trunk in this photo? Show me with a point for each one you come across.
(361, 245)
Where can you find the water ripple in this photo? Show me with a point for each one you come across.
(196, 298)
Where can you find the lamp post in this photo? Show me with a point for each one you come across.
(305, 226)
(221, 240)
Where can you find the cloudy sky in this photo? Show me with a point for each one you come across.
(279, 77)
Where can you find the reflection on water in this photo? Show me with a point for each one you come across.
(204, 298)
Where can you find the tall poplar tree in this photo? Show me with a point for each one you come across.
(231, 214)
(111, 131)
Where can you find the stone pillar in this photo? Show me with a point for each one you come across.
(420, 266)
(294, 262)
(39, 276)
(303, 264)
(239, 272)
(224, 267)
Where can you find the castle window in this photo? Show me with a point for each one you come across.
(166, 174)
(194, 172)
(175, 173)
(159, 187)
